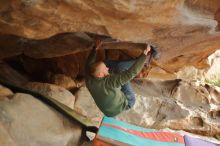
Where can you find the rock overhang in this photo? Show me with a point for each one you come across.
(186, 32)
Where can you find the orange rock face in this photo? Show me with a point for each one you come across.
(185, 31)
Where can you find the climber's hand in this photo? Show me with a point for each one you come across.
(98, 44)
(147, 50)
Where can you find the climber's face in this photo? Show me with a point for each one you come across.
(103, 70)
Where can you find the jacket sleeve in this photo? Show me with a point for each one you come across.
(122, 78)
(90, 60)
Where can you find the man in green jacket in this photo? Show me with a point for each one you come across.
(109, 82)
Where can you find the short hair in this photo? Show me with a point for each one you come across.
(94, 66)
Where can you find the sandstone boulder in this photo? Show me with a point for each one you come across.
(186, 31)
(174, 104)
(26, 121)
(213, 73)
(86, 105)
(59, 93)
(63, 81)
(5, 91)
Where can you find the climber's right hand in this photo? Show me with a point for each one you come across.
(98, 44)
(147, 50)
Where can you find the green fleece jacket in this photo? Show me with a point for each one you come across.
(106, 91)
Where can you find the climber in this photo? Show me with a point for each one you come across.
(108, 81)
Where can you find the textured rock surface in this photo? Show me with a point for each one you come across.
(9, 74)
(213, 73)
(177, 105)
(186, 31)
(86, 105)
(5, 91)
(25, 121)
(59, 93)
(173, 104)
(63, 81)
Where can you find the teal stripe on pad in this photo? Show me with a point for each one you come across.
(109, 120)
(118, 135)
